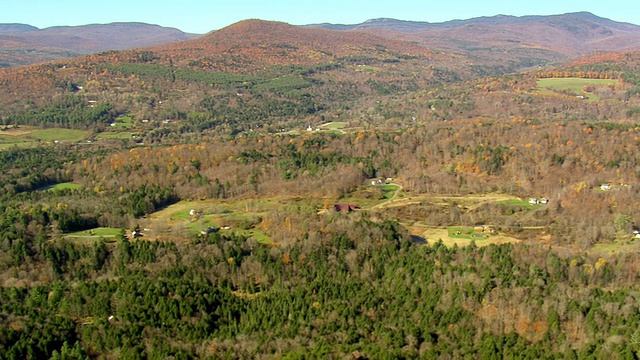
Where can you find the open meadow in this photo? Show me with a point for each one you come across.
(574, 86)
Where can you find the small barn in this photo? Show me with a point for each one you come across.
(345, 207)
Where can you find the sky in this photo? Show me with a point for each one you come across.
(202, 16)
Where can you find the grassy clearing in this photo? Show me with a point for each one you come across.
(182, 209)
(334, 125)
(123, 123)
(514, 203)
(51, 135)
(574, 85)
(62, 186)
(469, 233)
(202, 223)
(241, 216)
(361, 202)
(82, 237)
(10, 146)
(177, 210)
(367, 68)
(433, 235)
(7, 141)
(389, 190)
(630, 245)
(184, 215)
(28, 135)
(519, 205)
(369, 197)
(257, 235)
(238, 224)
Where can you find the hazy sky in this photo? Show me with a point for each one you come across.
(201, 16)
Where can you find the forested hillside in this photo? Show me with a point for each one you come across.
(274, 192)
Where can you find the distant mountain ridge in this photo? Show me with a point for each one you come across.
(506, 41)
(525, 41)
(16, 28)
(412, 26)
(22, 44)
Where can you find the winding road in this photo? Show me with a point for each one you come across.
(386, 203)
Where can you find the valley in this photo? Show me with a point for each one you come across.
(271, 191)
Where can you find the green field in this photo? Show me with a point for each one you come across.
(119, 129)
(574, 85)
(257, 235)
(241, 217)
(469, 233)
(58, 134)
(26, 136)
(367, 68)
(513, 202)
(239, 223)
(369, 196)
(123, 123)
(389, 190)
(62, 186)
(334, 125)
(79, 237)
(7, 141)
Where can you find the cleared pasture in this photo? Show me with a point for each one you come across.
(62, 186)
(50, 135)
(336, 125)
(28, 136)
(92, 235)
(573, 85)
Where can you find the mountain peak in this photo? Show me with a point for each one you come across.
(242, 31)
(256, 24)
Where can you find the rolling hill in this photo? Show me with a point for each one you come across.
(267, 74)
(253, 44)
(261, 59)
